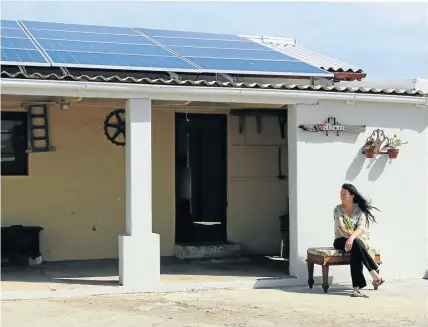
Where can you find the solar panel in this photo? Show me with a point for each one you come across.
(13, 32)
(16, 43)
(22, 57)
(9, 23)
(17, 48)
(237, 55)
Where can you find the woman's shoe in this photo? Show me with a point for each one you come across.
(356, 294)
(377, 283)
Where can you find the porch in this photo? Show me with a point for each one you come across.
(95, 199)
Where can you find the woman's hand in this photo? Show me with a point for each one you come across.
(348, 244)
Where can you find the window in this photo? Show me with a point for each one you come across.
(14, 158)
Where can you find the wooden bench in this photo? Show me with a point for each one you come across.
(326, 257)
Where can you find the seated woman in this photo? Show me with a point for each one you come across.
(352, 234)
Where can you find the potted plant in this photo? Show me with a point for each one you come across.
(369, 148)
(393, 146)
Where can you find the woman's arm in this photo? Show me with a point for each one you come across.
(340, 226)
(356, 234)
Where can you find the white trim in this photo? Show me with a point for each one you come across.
(186, 93)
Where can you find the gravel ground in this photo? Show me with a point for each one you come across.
(396, 304)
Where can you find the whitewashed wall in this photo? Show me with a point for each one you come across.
(319, 164)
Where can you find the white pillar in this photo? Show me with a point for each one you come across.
(139, 255)
(296, 266)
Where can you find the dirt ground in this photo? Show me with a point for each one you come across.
(396, 304)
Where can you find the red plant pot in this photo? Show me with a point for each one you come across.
(393, 153)
(369, 153)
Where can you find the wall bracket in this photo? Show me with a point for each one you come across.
(258, 114)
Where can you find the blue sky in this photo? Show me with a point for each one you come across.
(386, 40)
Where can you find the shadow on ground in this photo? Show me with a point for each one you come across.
(105, 272)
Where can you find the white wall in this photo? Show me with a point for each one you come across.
(319, 164)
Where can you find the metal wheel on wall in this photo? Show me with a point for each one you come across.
(115, 127)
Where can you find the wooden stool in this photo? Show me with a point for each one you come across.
(326, 257)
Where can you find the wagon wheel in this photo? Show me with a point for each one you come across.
(114, 127)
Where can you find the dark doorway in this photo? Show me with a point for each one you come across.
(200, 178)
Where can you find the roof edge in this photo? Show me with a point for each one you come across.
(203, 91)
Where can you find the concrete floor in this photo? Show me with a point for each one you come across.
(58, 276)
(395, 304)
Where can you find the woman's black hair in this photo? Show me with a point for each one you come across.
(361, 202)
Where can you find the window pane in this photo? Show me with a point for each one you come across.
(8, 125)
(14, 159)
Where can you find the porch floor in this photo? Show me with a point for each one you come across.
(57, 276)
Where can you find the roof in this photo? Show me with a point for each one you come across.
(130, 79)
(290, 47)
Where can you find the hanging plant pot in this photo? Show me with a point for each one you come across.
(369, 153)
(393, 153)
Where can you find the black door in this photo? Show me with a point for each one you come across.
(200, 178)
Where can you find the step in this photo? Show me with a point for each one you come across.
(207, 251)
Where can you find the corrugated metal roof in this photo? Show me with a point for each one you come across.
(289, 47)
(205, 83)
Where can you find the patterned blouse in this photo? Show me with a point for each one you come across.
(358, 220)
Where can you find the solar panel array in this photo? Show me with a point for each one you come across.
(17, 48)
(90, 46)
(228, 53)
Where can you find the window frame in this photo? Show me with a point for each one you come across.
(18, 167)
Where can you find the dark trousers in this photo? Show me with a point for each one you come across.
(359, 257)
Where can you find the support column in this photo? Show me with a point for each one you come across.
(297, 266)
(139, 254)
